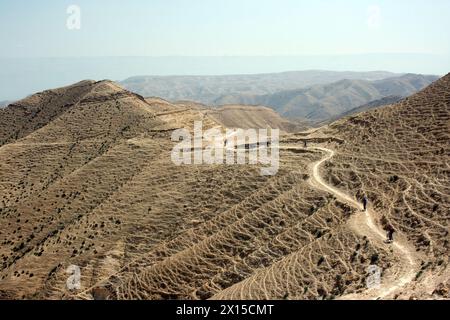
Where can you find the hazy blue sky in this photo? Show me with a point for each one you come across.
(359, 35)
(224, 27)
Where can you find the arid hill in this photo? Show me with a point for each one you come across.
(373, 105)
(400, 157)
(86, 180)
(62, 114)
(207, 89)
(182, 114)
(247, 117)
(326, 101)
(34, 112)
(368, 106)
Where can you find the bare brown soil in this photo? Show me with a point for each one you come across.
(92, 184)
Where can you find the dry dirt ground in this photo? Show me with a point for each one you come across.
(86, 179)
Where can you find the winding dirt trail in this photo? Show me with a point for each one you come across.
(364, 224)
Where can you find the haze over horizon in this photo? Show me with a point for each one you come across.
(180, 37)
(20, 77)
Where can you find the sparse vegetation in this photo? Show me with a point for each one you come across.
(87, 180)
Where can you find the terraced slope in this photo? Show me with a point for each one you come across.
(57, 174)
(27, 115)
(95, 187)
(400, 156)
(262, 223)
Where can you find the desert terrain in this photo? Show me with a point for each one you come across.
(209, 89)
(312, 97)
(86, 179)
(323, 102)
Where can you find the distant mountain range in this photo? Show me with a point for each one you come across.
(314, 96)
(326, 101)
(366, 107)
(373, 104)
(210, 89)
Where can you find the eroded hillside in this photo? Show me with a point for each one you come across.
(91, 183)
(400, 156)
